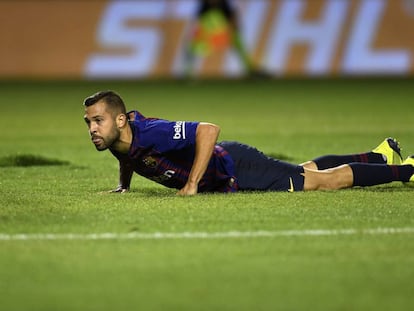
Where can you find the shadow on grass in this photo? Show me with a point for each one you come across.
(279, 156)
(26, 160)
(171, 193)
(145, 192)
(394, 187)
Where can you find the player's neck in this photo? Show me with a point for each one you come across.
(125, 139)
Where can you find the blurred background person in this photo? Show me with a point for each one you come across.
(215, 29)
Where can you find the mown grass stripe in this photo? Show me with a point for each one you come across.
(201, 235)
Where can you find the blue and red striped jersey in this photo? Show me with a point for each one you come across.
(164, 151)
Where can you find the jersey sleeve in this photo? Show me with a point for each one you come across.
(165, 136)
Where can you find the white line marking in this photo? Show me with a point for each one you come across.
(200, 235)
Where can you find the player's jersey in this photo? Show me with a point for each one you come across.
(164, 151)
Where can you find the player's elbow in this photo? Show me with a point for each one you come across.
(213, 129)
(208, 129)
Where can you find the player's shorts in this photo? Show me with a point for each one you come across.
(256, 171)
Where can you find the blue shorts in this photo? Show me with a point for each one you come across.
(256, 171)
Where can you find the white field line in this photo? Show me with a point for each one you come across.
(200, 235)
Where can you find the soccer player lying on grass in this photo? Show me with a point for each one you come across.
(186, 156)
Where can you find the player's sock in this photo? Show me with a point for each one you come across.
(330, 161)
(375, 174)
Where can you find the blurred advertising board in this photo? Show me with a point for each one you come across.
(148, 38)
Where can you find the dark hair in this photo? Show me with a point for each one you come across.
(112, 100)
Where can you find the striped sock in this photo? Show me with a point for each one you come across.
(330, 161)
(376, 174)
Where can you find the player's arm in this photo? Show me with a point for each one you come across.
(206, 138)
(125, 176)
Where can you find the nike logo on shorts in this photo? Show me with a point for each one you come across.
(291, 188)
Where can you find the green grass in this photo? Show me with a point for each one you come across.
(53, 181)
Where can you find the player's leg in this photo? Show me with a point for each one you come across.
(388, 152)
(242, 52)
(329, 179)
(410, 161)
(356, 174)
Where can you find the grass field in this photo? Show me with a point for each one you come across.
(245, 251)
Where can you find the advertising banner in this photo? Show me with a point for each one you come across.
(152, 38)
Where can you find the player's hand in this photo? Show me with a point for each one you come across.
(119, 189)
(188, 189)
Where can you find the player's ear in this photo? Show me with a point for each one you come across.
(121, 120)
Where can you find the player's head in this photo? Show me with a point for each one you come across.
(114, 103)
(105, 115)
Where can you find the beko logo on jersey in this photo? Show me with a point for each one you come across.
(179, 130)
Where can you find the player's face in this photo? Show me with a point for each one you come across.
(102, 126)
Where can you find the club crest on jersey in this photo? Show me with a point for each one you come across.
(179, 130)
(150, 162)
